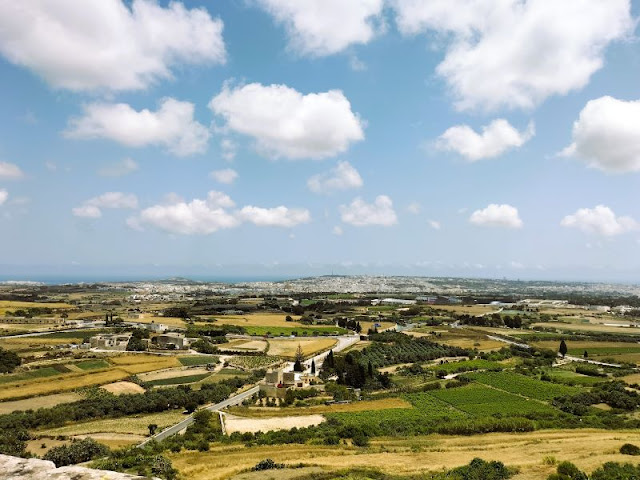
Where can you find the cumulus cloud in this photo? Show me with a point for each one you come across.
(361, 214)
(171, 126)
(226, 176)
(10, 171)
(607, 135)
(343, 177)
(274, 217)
(337, 230)
(119, 169)
(203, 217)
(312, 25)
(495, 139)
(105, 44)
(117, 200)
(4, 195)
(87, 211)
(497, 216)
(286, 123)
(600, 220)
(514, 53)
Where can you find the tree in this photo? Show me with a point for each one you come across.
(152, 428)
(370, 369)
(8, 361)
(330, 361)
(313, 367)
(76, 452)
(585, 354)
(563, 348)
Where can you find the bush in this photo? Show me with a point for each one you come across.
(76, 452)
(267, 464)
(630, 449)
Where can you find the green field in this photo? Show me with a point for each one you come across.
(569, 377)
(92, 364)
(602, 351)
(522, 385)
(468, 366)
(179, 380)
(38, 373)
(481, 401)
(194, 360)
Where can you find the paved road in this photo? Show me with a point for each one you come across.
(235, 400)
(510, 342)
(593, 362)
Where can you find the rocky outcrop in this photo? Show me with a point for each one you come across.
(15, 468)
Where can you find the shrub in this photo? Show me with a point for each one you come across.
(267, 464)
(76, 452)
(630, 449)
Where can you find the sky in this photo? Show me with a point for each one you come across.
(302, 137)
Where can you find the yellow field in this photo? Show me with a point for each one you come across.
(366, 405)
(468, 309)
(459, 337)
(171, 321)
(288, 348)
(136, 425)
(586, 448)
(31, 343)
(126, 365)
(34, 403)
(9, 305)
(259, 320)
(242, 344)
(588, 327)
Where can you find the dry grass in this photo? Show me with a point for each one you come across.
(459, 337)
(367, 405)
(249, 345)
(123, 388)
(468, 309)
(171, 321)
(287, 348)
(10, 305)
(34, 403)
(30, 343)
(586, 448)
(173, 373)
(588, 327)
(135, 425)
(259, 320)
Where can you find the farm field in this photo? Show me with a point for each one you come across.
(194, 360)
(459, 337)
(225, 374)
(363, 406)
(11, 306)
(468, 366)
(586, 448)
(618, 351)
(172, 373)
(123, 388)
(587, 327)
(287, 348)
(34, 403)
(250, 362)
(523, 385)
(468, 309)
(572, 378)
(136, 425)
(235, 423)
(180, 380)
(243, 344)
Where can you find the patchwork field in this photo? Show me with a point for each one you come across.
(586, 448)
(287, 348)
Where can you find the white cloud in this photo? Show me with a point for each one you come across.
(87, 211)
(228, 149)
(10, 170)
(325, 27)
(337, 230)
(104, 44)
(607, 135)
(497, 216)
(414, 208)
(92, 207)
(435, 224)
(360, 214)
(600, 220)
(343, 177)
(4, 195)
(514, 53)
(49, 165)
(286, 123)
(119, 169)
(226, 176)
(171, 126)
(516, 265)
(114, 200)
(274, 217)
(495, 139)
(203, 217)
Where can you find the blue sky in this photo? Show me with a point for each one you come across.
(424, 137)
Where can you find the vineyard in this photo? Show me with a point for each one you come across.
(405, 349)
(250, 362)
(481, 401)
(527, 386)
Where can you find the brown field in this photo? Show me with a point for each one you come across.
(115, 440)
(234, 423)
(241, 344)
(34, 403)
(123, 388)
(287, 348)
(365, 405)
(635, 378)
(588, 327)
(582, 345)
(31, 343)
(171, 321)
(588, 449)
(172, 373)
(459, 337)
(357, 346)
(126, 365)
(259, 320)
(35, 446)
(135, 425)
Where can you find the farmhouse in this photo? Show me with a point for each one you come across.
(111, 342)
(172, 341)
(278, 382)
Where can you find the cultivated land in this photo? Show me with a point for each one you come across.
(401, 403)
